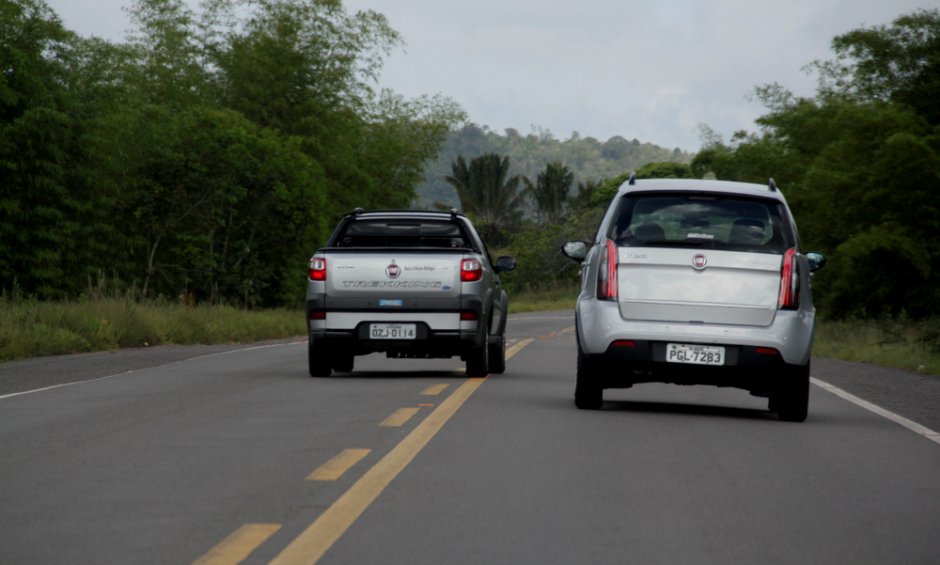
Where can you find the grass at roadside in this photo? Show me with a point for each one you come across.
(29, 328)
(900, 343)
(559, 299)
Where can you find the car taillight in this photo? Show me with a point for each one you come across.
(607, 273)
(789, 282)
(318, 314)
(317, 269)
(468, 316)
(471, 270)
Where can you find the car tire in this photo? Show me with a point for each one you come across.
(319, 360)
(588, 392)
(791, 397)
(497, 360)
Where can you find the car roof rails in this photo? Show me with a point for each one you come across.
(772, 185)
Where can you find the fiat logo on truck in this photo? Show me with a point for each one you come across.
(393, 270)
(699, 261)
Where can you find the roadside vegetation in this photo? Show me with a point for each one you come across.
(197, 165)
(33, 328)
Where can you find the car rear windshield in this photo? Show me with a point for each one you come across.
(401, 233)
(714, 221)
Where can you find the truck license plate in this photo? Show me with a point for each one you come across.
(392, 331)
(695, 354)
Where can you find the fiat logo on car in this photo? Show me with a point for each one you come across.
(699, 261)
(393, 270)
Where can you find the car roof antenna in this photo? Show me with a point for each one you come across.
(772, 185)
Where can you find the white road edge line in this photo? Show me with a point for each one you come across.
(96, 379)
(897, 419)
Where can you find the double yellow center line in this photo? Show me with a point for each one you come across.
(319, 536)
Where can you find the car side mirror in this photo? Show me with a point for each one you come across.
(816, 261)
(504, 263)
(576, 250)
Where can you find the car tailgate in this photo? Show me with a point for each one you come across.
(728, 287)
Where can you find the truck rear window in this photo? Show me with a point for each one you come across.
(401, 233)
(713, 221)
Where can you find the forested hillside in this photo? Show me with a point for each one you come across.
(205, 157)
(587, 158)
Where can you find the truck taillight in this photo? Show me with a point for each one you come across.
(471, 270)
(317, 269)
(789, 282)
(607, 273)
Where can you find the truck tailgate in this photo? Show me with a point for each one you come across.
(393, 275)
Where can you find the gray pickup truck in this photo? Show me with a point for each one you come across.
(411, 284)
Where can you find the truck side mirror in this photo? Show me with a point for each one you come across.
(504, 263)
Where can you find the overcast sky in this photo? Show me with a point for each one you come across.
(653, 70)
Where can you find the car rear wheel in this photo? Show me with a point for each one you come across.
(791, 398)
(318, 359)
(588, 393)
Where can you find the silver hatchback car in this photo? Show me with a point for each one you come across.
(696, 282)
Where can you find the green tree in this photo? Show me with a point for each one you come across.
(898, 63)
(41, 211)
(488, 194)
(664, 170)
(585, 194)
(550, 191)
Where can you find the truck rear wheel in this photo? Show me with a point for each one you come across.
(318, 359)
(344, 363)
(498, 355)
(478, 360)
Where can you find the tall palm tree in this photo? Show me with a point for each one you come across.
(487, 193)
(550, 191)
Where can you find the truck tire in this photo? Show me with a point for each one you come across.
(344, 361)
(318, 359)
(497, 359)
(478, 363)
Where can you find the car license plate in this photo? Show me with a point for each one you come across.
(695, 354)
(392, 331)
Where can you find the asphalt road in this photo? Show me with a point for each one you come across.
(173, 455)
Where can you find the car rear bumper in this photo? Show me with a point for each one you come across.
(600, 325)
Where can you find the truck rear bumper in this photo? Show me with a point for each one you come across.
(427, 343)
